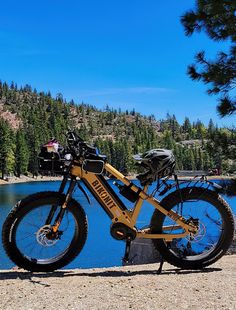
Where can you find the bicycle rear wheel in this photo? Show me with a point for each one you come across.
(215, 228)
(30, 242)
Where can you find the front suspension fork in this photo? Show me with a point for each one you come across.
(54, 207)
(63, 206)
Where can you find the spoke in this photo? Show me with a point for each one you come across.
(40, 251)
(27, 236)
(33, 225)
(31, 219)
(59, 247)
(65, 248)
(40, 214)
(64, 241)
(215, 221)
(31, 248)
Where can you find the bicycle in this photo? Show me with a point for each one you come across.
(192, 226)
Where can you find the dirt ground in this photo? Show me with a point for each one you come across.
(130, 287)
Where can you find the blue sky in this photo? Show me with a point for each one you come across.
(127, 54)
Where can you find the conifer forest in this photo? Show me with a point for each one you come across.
(29, 118)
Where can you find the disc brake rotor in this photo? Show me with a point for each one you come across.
(199, 235)
(45, 236)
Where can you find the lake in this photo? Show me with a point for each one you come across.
(100, 250)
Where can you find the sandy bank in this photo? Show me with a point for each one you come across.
(25, 179)
(131, 287)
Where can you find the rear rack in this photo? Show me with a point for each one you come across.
(167, 184)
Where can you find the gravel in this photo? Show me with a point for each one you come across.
(129, 287)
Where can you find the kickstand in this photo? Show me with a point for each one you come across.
(125, 259)
(161, 265)
(162, 261)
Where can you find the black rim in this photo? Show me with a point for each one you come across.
(210, 233)
(35, 240)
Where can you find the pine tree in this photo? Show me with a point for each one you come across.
(218, 20)
(6, 148)
(21, 154)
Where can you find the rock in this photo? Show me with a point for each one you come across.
(142, 251)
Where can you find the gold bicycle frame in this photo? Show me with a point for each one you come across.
(113, 206)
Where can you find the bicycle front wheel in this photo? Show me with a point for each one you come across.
(215, 222)
(28, 238)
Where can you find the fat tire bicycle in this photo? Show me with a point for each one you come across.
(192, 226)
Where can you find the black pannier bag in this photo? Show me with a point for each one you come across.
(51, 158)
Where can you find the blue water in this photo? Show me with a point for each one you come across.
(100, 250)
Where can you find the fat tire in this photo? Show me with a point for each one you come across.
(26, 205)
(224, 242)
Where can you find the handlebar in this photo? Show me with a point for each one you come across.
(73, 137)
(74, 142)
(77, 146)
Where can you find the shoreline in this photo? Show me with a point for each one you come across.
(40, 178)
(25, 179)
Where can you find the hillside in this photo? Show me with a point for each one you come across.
(29, 118)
